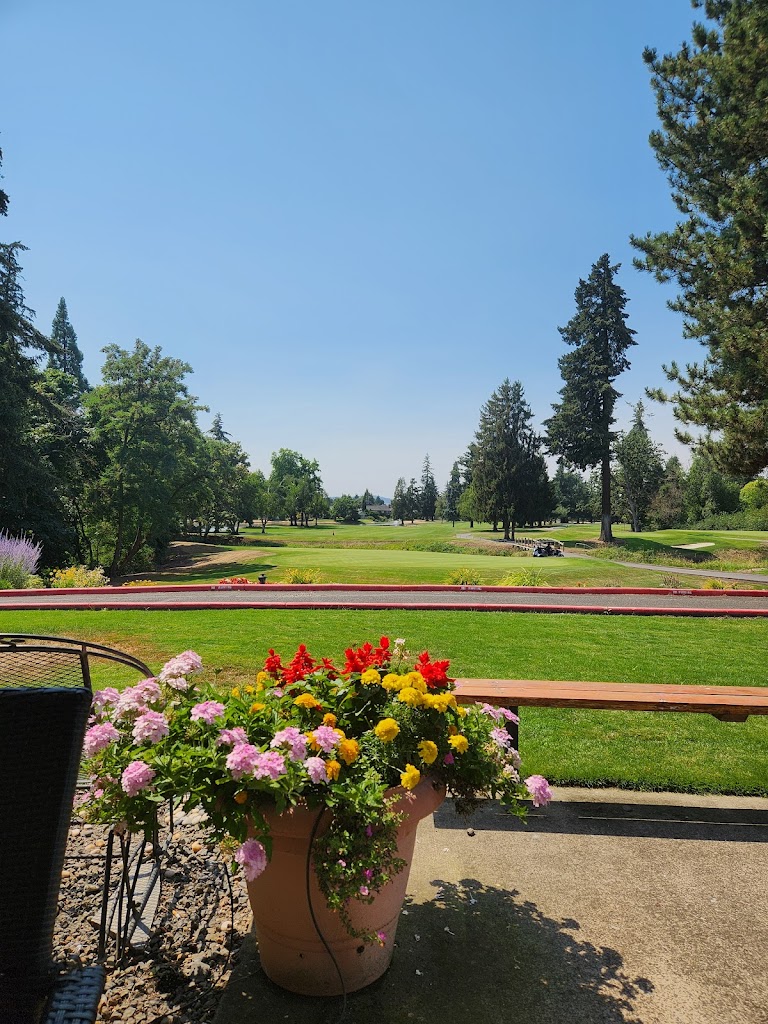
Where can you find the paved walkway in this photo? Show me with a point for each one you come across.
(530, 599)
(609, 907)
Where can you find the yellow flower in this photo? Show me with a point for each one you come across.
(340, 733)
(235, 691)
(349, 750)
(249, 689)
(462, 712)
(417, 681)
(428, 751)
(387, 729)
(257, 707)
(329, 719)
(370, 676)
(392, 681)
(459, 743)
(410, 778)
(410, 697)
(305, 700)
(452, 730)
(440, 701)
(332, 769)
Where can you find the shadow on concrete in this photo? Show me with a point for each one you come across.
(473, 953)
(634, 820)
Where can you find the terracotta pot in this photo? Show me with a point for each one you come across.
(292, 953)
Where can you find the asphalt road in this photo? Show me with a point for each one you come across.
(605, 601)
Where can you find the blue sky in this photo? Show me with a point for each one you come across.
(353, 219)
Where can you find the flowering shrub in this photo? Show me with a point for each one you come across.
(140, 583)
(306, 732)
(19, 558)
(303, 576)
(78, 576)
(235, 580)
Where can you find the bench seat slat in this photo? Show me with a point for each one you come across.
(734, 702)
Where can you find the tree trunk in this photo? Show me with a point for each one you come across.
(606, 534)
(505, 524)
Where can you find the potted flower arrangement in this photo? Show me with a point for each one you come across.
(313, 777)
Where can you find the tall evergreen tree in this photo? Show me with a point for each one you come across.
(580, 428)
(452, 494)
(66, 355)
(639, 470)
(507, 459)
(712, 100)
(399, 500)
(428, 493)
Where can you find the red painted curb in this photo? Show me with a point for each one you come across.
(422, 606)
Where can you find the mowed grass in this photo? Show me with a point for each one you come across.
(364, 565)
(688, 753)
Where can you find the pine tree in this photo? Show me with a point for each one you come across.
(579, 430)
(66, 356)
(452, 494)
(506, 462)
(428, 495)
(639, 470)
(712, 101)
(399, 502)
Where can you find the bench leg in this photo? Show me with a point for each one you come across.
(514, 729)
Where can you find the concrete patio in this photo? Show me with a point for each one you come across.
(609, 906)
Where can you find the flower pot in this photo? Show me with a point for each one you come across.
(292, 953)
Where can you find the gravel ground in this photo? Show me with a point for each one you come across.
(178, 977)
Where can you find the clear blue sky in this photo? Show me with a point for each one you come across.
(353, 219)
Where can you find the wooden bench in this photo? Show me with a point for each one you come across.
(726, 703)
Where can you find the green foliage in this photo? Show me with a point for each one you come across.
(509, 474)
(579, 430)
(754, 495)
(77, 576)
(303, 576)
(712, 102)
(464, 578)
(66, 356)
(640, 470)
(148, 452)
(524, 578)
(428, 491)
(346, 509)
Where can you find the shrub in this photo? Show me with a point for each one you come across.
(523, 578)
(464, 578)
(715, 584)
(19, 558)
(234, 580)
(140, 583)
(77, 576)
(671, 582)
(302, 576)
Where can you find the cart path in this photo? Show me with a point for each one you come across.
(638, 601)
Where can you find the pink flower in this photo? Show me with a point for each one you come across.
(368, 874)
(364, 890)
(325, 737)
(103, 697)
(182, 665)
(501, 736)
(98, 737)
(252, 857)
(449, 759)
(382, 937)
(499, 713)
(207, 712)
(342, 862)
(295, 738)
(243, 759)
(148, 691)
(270, 764)
(229, 737)
(316, 769)
(130, 701)
(539, 789)
(137, 776)
(150, 726)
(369, 828)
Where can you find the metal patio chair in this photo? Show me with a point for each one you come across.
(45, 699)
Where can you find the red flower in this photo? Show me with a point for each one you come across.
(273, 665)
(367, 656)
(300, 666)
(434, 672)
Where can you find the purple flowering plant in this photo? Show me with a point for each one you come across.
(350, 739)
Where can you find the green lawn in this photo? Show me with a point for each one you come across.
(676, 752)
(371, 565)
